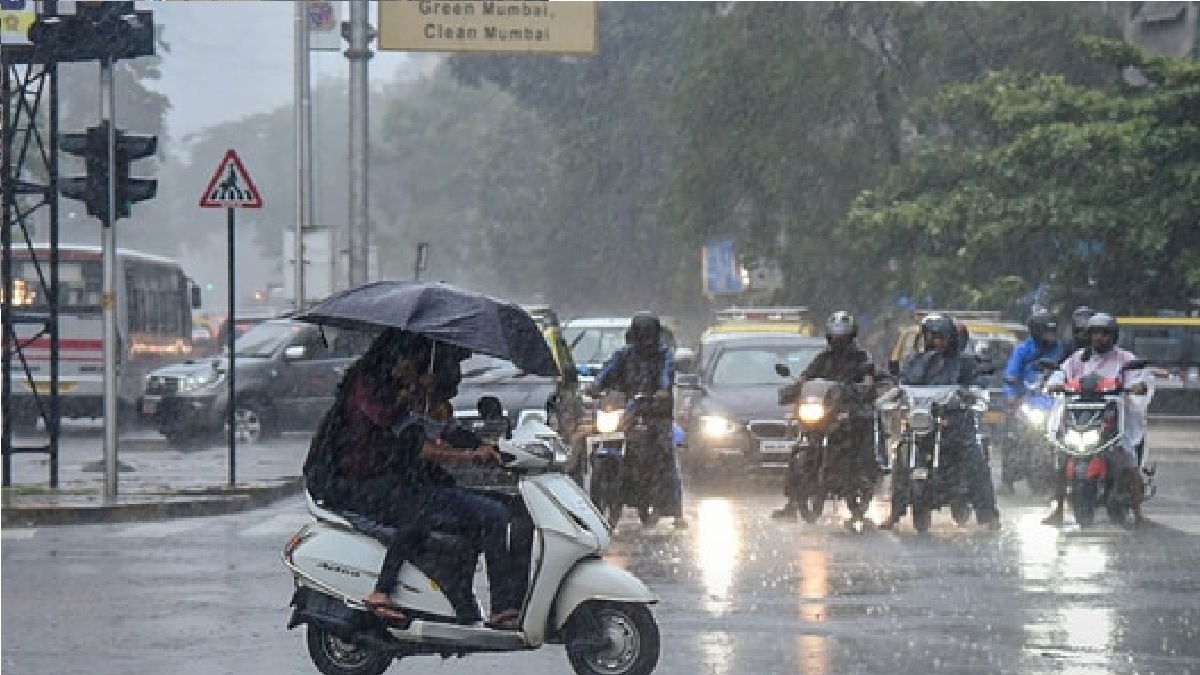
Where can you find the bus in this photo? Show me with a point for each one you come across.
(1172, 345)
(154, 302)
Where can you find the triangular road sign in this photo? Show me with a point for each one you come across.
(231, 186)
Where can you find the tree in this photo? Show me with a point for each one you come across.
(1037, 179)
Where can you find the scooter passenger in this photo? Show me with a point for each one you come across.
(842, 360)
(1102, 357)
(374, 455)
(646, 366)
(944, 363)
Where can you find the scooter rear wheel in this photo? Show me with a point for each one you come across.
(1083, 503)
(335, 656)
(630, 636)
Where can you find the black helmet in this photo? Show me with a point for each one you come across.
(645, 330)
(841, 328)
(1041, 323)
(939, 324)
(1080, 317)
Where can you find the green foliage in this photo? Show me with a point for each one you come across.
(1037, 179)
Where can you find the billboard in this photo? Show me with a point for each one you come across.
(720, 269)
(536, 26)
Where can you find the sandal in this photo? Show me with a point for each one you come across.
(386, 611)
(509, 619)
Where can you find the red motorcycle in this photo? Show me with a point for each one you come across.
(1087, 430)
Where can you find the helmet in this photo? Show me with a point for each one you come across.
(1080, 317)
(645, 330)
(1041, 323)
(841, 327)
(939, 324)
(1104, 322)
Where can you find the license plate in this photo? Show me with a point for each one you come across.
(149, 406)
(775, 447)
(993, 417)
(920, 473)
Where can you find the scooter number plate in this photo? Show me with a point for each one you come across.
(920, 474)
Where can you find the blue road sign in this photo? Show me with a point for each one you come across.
(721, 271)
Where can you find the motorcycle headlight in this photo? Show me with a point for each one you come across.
(1081, 439)
(1035, 416)
(811, 412)
(715, 425)
(203, 380)
(608, 421)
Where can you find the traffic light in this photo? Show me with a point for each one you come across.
(92, 189)
(96, 30)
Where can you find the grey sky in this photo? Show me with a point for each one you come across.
(231, 59)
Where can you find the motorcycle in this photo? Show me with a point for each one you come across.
(825, 464)
(622, 455)
(922, 478)
(1028, 455)
(1087, 428)
(574, 597)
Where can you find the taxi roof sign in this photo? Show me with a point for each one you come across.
(763, 314)
(964, 314)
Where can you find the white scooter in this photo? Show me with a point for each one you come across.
(574, 597)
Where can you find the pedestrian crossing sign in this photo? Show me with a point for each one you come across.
(231, 186)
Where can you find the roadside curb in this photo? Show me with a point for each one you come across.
(148, 507)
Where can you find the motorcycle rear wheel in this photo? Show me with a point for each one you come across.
(335, 656)
(811, 503)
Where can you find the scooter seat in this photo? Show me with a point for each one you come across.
(443, 541)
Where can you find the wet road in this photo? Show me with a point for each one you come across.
(740, 594)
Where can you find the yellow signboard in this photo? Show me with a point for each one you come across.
(534, 26)
(15, 18)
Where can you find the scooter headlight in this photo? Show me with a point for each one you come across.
(1081, 439)
(810, 412)
(608, 421)
(920, 421)
(715, 425)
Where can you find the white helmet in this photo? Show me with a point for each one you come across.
(841, 324)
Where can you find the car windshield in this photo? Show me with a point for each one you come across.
(264, 339)
(755, 365)
(594, 345)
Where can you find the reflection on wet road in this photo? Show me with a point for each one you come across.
(742, 593)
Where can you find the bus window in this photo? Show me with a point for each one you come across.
(80, 284)
(154, 302)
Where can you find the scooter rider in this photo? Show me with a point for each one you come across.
(1102, 357)
(842, 361)
(646, 366)
(1043, 343)
(945, 364)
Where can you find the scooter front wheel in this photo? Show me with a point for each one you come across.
(334, 656)
(629, 642)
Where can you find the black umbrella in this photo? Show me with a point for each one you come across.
(442, 312)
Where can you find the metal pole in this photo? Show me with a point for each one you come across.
(231, 373)
(303, 121)
(108, 300)
(359, 54)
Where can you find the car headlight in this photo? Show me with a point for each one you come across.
(204, 380)
(810, 413)
(715, 425)
(608, 421)
(1082, 439)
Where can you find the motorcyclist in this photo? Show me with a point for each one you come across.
(1022, 371)
(1102, 357)
(842, 360)
(645, 365)
(944, 363)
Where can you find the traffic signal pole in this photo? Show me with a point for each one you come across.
(108, 300)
